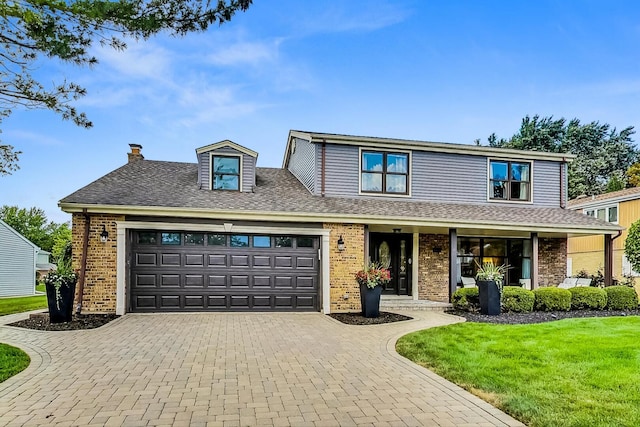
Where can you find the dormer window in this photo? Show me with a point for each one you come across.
(384, 172)
(225, 173)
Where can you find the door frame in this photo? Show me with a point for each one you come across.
(394, 240)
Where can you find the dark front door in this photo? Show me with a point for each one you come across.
(394, 250)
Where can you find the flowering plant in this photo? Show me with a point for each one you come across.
(373, 275)
(491, 272)
(63, 275)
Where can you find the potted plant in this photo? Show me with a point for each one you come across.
(371, 280)
(489, 279)
(60, 285)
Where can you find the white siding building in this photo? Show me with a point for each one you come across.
(18, 258)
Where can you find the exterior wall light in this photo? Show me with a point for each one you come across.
(341, 244)
(104, 235)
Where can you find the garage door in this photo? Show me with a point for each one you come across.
(186, 271)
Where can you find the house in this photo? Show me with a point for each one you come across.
(43, 263)
(18, 259)
(588, 252)
(223, 234)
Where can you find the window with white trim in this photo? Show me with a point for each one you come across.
(225, 173)
(608, 213)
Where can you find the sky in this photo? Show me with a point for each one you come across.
(447, 71)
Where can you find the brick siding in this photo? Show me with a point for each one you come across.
(433, 268)
(100, 274)
(343, 265)
(552, 261)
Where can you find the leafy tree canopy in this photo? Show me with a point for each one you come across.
(32, 223)
(633, 175)
(601, 151)
(632, 246)
(66, 30)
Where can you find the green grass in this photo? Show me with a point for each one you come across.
(20, 304)
(574, 372)
(12, 361)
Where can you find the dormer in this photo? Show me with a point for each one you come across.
(226, 166)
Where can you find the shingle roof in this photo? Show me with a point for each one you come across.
(626, 194)
(150, 183)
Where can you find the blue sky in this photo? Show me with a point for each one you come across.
(449, 71)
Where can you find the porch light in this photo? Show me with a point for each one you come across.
(341, 244)
(104, 235)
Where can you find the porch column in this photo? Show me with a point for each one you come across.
(534, 261)
(608, 260)
(453, 261)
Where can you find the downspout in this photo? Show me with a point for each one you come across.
(83, 261)
(322, 166)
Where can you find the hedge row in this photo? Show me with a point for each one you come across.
(519, 300)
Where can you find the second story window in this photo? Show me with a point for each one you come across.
(509, 180)
(225, 173)
(384, 172)
(609, 214)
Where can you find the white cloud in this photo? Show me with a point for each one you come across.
(246, 53)
(31, 137)
(140, 60)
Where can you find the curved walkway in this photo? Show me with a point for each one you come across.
(233, 370)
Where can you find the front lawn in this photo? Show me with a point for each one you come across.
(12, 361)
(20, 304)
(573, 372)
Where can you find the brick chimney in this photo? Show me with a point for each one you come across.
(135, 153)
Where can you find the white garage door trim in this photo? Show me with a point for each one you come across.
(123, 226)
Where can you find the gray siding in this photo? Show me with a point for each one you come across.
(248, 168)
(437, 177)
(17, 264)
(546, 184)
(302, 163)
(341, 170)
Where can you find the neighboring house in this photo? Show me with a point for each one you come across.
(43, 264)
(18, 258)
(223, 234)
(588, 253)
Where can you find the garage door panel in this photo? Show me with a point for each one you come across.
(146, 259)
(239, 260)
(144, 280)
(170, 281)
(218, 277)
(216, 281)
(216, 259)
(194, 260)
(194, 280)
(306, 262)
(171, 259)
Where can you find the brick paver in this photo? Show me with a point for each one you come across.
(232, 369)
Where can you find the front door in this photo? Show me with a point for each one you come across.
(393, 250)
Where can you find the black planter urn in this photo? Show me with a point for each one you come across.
(61, 305)
(370, 300)
(489, 296)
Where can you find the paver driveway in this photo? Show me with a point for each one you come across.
(232, 369)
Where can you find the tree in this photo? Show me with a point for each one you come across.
(601, 152)
(32, 223)
(633, 175)
(66, 30)
(632, 246)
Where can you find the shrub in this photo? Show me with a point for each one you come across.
(466, 299)
(588, 298)
(517, 300)
(621, 298)
(552, 299)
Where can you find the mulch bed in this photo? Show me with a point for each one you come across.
(359, 319)
(80, 321)
(540, 316)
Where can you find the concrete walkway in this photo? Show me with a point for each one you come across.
(232, 370)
